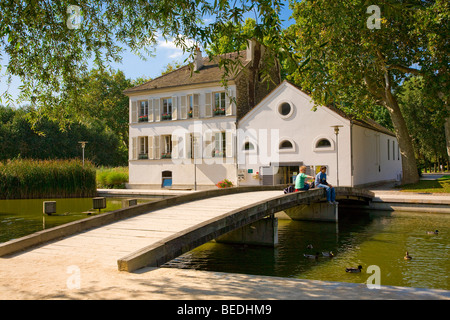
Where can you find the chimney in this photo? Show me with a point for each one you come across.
(250, 49)
(198, 60)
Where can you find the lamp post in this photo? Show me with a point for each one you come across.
(336, 132)
(83, 145)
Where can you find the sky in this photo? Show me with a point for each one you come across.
(133, 66)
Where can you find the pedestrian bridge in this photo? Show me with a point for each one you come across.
(153, 233)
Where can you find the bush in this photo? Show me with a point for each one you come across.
(111, 178)
(26, 179)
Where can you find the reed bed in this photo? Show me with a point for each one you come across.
(112, 178)
(28, 179)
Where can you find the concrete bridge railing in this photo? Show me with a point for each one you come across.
(188, 239)
(163, 251)
(78, 226)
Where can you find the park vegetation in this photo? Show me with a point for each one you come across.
(350, 54)
(26, 179)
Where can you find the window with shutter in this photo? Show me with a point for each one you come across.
(134, 111)
(195, 106)
(183, 107)
(208, 105)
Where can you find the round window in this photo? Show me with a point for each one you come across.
(284, 109)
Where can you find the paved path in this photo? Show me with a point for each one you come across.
(105, 245)
(74, 268)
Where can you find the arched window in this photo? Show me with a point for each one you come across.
(323, 143)
(248, 146)
(285, 144)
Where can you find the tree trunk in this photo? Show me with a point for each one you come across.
(409, 164)
(447, 132)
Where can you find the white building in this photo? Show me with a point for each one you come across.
(362, 153)
(183, 124)
(188, 131)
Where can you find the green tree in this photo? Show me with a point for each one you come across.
(50, 44)
(424, 118)
(46, 141)
(347, 62)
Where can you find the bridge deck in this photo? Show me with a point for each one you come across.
(104, 245)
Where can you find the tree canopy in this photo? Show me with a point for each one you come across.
(349, 53)
(356, 55)
(50, 44)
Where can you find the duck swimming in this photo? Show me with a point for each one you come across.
(407, 257)
(309, 246)
(433, 232)
(311, 256)
(328, 254)
(353, 270)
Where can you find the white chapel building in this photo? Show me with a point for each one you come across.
(285, 123)
(189, 131)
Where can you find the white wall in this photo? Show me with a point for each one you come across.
(209, 171)
(149, 173)
(303, 127)
(370, 161)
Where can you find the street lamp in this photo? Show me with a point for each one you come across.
(83, 145)
(336, 132)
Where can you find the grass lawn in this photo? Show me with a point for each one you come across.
(441, 185)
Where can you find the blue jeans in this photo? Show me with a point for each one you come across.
(331, 195)
(305, 187)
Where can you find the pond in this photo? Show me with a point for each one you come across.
(20, 217)
(378, 238)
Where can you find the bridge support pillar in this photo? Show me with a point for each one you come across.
(321, 211)
(263, 232)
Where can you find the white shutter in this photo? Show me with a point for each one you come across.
(197, 146)
(156, 146)
(150, 147)
(174, 139)
(134, 116)
(174, 108)
(187, 146)
(183, 107)
(208, 105)
(217, 141)
(230, 103)
(157, 106)
(229, 143)
(195, 107)
(150, 110)
(134, 148)
(209, 145)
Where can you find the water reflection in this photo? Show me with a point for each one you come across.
(364, 238)
(23, 217)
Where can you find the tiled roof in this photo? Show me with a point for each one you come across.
(210, 72)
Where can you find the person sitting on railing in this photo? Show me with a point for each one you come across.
(321, 182)
(300, 184)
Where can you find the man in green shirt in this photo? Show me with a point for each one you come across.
(300, 184)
